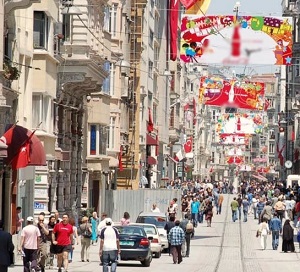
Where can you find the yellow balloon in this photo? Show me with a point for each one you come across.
(199, 8)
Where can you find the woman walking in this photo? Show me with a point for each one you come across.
(264, 231)
(288, 237)
(126, 219)
(75, 238)
(95, 223)
(86, 233)
(209, 213)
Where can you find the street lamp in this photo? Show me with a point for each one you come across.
(236, 8)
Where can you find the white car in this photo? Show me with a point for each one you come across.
(152, 231)
(159, 220)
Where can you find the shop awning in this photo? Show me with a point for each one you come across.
(151, 160)
(262, 178)
(150, 140)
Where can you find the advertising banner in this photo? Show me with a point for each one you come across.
(231, 40)
(216, 91)
(234, 139)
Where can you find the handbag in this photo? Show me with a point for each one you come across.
(86, 233)
(258, 233)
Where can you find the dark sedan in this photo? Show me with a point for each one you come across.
(135, 246)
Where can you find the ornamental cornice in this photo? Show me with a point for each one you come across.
(10, 5)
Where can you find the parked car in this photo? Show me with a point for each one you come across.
(152, 231)
(134, 244)
(159, 220)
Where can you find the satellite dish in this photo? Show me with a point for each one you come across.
(288, 164)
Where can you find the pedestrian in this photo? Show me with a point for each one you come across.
(6, 249)
(276, 229)
(254, 206)
(267, 212)
(240, 200)
(195, 210)
(234, 208)
(155, 208)
(51, 225)
(42, 245)
(62, 237)
(260, 206)
(29, 245)
(264, 230)
(169, 225)
(288, 237)
(19, 220)
(176, 237)
(75, 239)
(126, 219)
(94, 223)
(220, 202)
(188, 228)
(109, 246)
(85, 229)
(102, 223)
(245, 205)
(279, 208)
(171, 210)
(208, 213)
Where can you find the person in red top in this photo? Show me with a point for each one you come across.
(62, 237)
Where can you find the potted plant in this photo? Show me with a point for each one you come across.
(10, 72)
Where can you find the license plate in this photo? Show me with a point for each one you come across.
(126, 243)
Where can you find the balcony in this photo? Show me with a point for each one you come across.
(18, 4)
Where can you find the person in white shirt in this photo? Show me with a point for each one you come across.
(109, 246)
(102, 223)
(155, 208)
(29, 244)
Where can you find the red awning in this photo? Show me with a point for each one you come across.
(150, 140)
(151, 160)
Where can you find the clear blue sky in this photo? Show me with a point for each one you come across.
(253, 7)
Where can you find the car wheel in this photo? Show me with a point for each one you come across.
(157, 254)
(147, 261)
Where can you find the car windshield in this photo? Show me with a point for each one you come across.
(131, 230)
(149, 229)
(158, 221)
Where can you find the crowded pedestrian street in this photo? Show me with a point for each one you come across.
(225, 246)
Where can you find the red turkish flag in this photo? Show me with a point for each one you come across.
(173, 17)
(188, 146)
(120, 159)
(150, 126)
(22, 159)
(188, 3)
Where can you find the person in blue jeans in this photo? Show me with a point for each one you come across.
(276, 229)
(109, 246)
(194, 211)
(260, 206)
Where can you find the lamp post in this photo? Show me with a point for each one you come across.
(236, 9)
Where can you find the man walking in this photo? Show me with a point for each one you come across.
(42, 246)
(276, 228)
(195, 210)
(109, 246)
(245, 204)
(234, 208)
(176, 238)
(29, 244)
(188, 229)
(62, 237)
(6, 249)
(220, 202)
(169, 225)
(240, 200)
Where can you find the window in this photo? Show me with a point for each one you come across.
(151, 38)
(113, 20)
(112, 79)
(106, 81)
(67, 27)
(150, 69)
(106, 20)
(111, 138)
(42, 112)
(271, 148)
(297, 67)
(97, 140)
(40, 30)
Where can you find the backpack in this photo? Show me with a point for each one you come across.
(189, 227)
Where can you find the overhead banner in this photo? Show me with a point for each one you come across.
(234, 139)
(235, 159)
(247, 123)
(216, 91)
(231, 40)
(234, 151)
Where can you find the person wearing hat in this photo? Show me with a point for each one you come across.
(6, 249)
(109, 246)
(29, 244)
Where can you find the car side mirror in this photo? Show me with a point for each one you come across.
(150, 238)
(162, 235)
